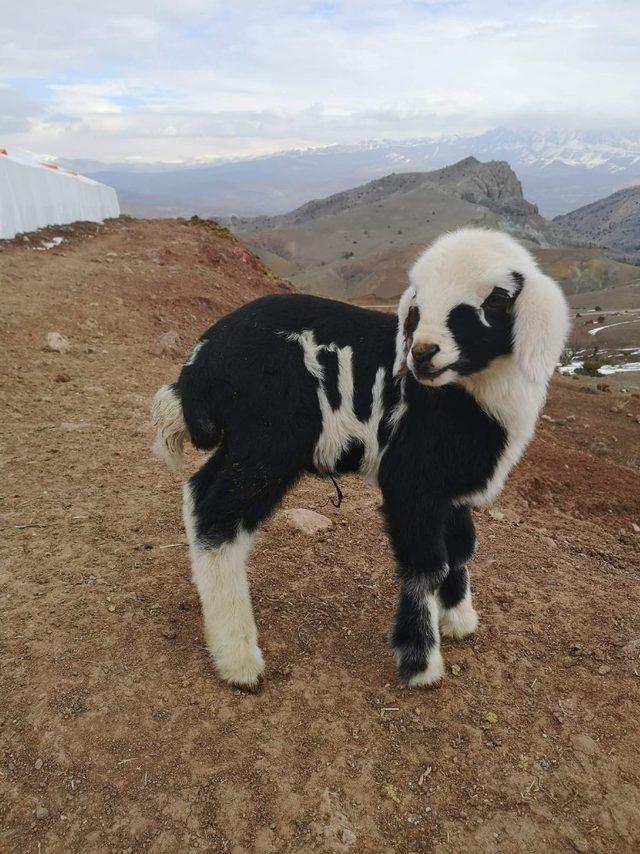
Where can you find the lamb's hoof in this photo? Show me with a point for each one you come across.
(431, 675)
(244, 669)
(417, 670)
(459, 622)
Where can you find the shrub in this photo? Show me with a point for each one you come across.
(591, 366)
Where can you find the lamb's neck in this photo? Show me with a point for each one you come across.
(505, 394)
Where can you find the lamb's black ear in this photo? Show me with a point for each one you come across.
(541, 325)
(406, 317)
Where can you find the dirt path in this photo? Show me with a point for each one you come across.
(116, 736)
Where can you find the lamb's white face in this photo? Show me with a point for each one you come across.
(466, 307)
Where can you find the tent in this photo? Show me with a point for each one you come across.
(34, 194)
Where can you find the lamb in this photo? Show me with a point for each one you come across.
(436, 406)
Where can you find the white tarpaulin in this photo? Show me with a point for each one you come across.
(35, 194)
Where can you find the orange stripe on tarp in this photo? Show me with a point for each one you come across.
(50, 166)
(70, 171)
(4, 151)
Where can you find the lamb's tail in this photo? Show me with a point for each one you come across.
(168, 419)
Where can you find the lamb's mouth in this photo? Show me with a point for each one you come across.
(433, 375)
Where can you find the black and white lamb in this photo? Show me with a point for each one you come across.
(436, 406)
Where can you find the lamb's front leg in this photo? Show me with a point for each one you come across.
(458, 617)
(415, 636)
(417, 537)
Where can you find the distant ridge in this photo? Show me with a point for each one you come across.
(613, 222)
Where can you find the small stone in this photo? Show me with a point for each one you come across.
(168, 343)
(307, 521)
(635, 528)
(632, 647)
(490, 717)
(56, 343)
(389, 791)
(41, 812)
(498, 515)
(62, 377)
(38, 764)
(604, 670)
(456, 670)
(111, 608)
(169, 633)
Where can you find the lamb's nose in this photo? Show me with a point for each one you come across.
(423, 354)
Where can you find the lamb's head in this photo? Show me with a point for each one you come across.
(476, 296)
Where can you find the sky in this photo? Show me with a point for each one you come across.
(153, 80)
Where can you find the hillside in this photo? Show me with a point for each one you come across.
(358, 244)
(613, 222)
(117, 736)
(560, 170)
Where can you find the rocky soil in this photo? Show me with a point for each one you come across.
(116, 736)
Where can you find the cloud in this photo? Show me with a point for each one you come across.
(16, 111)
(204, 78)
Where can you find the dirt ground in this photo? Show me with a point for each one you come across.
(115, 734)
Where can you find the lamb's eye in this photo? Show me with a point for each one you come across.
(498, 300)
(411, 323)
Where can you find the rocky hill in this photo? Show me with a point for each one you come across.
(613, 222)
(492, 185)
(359, 243)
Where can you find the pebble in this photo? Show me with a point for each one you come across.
(62, 378)
(41, 812)
(632, 647)
(38, 764)
(56, 343)
(604, 670)
(168, 343)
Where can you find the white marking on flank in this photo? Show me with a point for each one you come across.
(341, 427)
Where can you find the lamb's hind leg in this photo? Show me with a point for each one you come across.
(223, 505)
(458, 617)
(219, 572)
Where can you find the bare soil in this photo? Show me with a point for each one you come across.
(116, 735)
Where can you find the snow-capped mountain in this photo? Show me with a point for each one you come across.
(559, 170)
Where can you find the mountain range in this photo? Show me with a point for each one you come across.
(559, 171)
